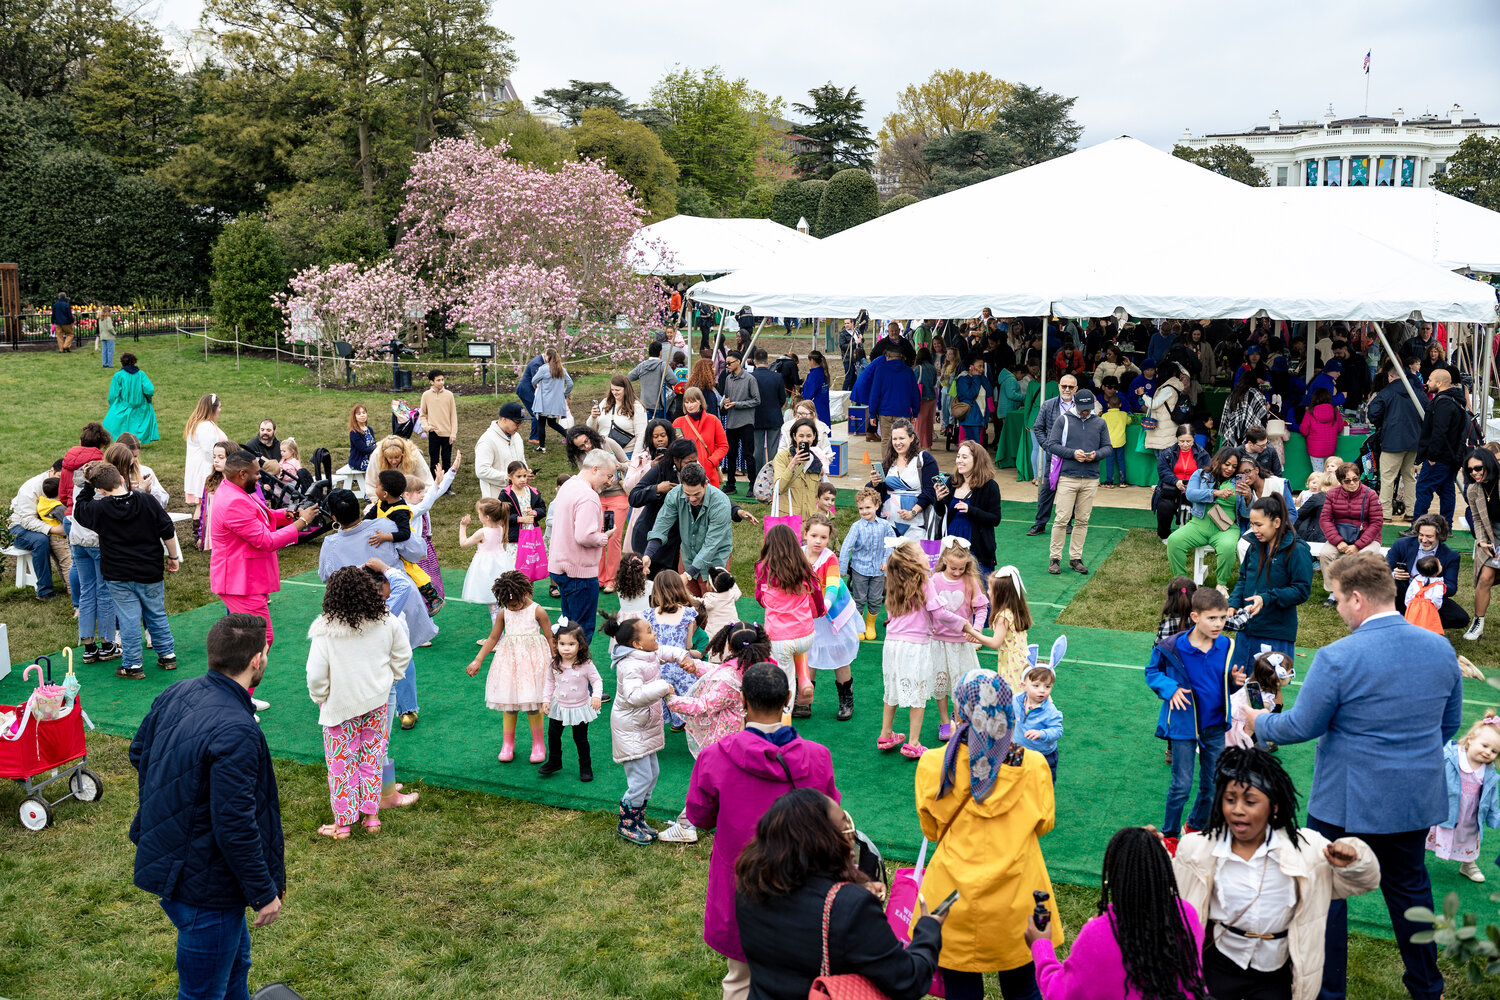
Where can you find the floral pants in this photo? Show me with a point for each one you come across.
(355, 751)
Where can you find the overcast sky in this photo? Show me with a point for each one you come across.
(1148, 69)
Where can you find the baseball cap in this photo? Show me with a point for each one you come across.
(512, 411)
(1083, 400)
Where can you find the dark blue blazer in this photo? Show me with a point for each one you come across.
(1381, 703)
(1404, 551)
(208, 828)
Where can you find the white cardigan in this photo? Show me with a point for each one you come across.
(634, 425)
(350, 672)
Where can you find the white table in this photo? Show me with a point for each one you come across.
(352, 479)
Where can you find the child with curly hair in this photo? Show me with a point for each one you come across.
(521, 639)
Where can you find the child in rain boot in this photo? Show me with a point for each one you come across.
(573, 693)
(862, 558)
(635, 717)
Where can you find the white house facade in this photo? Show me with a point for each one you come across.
(1398, 151)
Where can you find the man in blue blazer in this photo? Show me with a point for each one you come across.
(1379, 770)
(1429, 532)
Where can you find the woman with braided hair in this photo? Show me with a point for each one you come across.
(1263, 884)
(1145, 944)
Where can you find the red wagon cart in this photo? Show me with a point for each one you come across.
(47, 753)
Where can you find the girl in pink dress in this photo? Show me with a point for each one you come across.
(573, 693)
(522, 642)
(495, 556)
(957, 584)
(1473, 796)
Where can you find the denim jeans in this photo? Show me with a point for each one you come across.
(107, 352)
(213, 952)
(1209, 744)
(96, 605)
(406, 690)
(1114, 466)
(1434, 477)
(579, 597)
(134, 601)
(40, 548)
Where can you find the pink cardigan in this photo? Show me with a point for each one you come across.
(1094, 967)
(577, 531)
(245, 535)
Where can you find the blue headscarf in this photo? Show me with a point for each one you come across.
(983, 710)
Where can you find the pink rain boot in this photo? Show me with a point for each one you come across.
(538, 751)
(507, 750)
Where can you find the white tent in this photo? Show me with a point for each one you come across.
(1424, 222)
(686, 244)
(1117, 224)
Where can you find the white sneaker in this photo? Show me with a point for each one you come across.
(1470, 871)
(1476, 629)
(257, 718)
(260, 706)
(677, 834)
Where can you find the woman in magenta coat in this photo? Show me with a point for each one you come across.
(1320, 426)
(734, 782)
(242, 568)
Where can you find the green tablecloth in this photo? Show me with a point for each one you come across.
(1013, 440)
(1140, 466)
(1299, 466)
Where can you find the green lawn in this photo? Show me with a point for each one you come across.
(464, 895)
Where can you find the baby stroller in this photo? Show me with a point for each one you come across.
(44, 746)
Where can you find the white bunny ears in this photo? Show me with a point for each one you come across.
(1059, 648)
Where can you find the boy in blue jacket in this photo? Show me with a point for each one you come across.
(1039, 725)
(1190, 673)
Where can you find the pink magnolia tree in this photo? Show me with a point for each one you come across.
(508, 252)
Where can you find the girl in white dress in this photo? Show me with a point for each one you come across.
(201, 434)
(495, 556)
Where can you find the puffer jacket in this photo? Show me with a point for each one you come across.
(1317, 881)
(1320, 426)
(635, 715)
(74, 459)
(208, 827)
(1362, 508)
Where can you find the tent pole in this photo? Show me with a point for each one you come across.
(750, 347)
(1400, 369)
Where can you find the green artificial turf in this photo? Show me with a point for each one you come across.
(1111, 770)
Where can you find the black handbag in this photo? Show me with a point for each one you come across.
(619, 437)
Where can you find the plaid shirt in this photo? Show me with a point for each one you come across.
(1168, 627)
(863, 550)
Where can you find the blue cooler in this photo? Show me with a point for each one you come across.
(859, 419)
(840, 461)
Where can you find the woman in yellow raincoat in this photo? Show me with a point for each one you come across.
(986, 816)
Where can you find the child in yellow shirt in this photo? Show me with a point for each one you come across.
(1116, 419)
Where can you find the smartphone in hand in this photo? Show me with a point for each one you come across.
(879, 469)
(609, 520)
(945, 905)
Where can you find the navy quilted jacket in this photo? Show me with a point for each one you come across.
(208, 828)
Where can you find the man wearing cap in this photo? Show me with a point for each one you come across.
(1328, 379)
(500, 445)
(1080, 438)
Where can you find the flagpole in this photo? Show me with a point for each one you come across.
(1368, 53)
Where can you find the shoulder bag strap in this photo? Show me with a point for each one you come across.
(968, 795)
(827, 912)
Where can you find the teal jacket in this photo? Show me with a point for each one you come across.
(706, 539)
(1284, 584)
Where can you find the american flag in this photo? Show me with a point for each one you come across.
(1367, 62)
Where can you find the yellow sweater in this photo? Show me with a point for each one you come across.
(1116, 420)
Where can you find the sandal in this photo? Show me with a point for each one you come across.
(372, 823)
(333, 831)
(912, 750)
(891, 741)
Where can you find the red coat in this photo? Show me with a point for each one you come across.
(245, 535)
(707, 435)
(76, 458)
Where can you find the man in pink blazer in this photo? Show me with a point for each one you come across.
(242, 567)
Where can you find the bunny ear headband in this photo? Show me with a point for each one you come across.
(562, 623)
(1059, 648)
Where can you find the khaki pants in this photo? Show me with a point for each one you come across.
(1394, 464)
(1074, 502)
(885, 424)
(64, 337)
(62, 554)
(737, 980)
(1331, 555)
